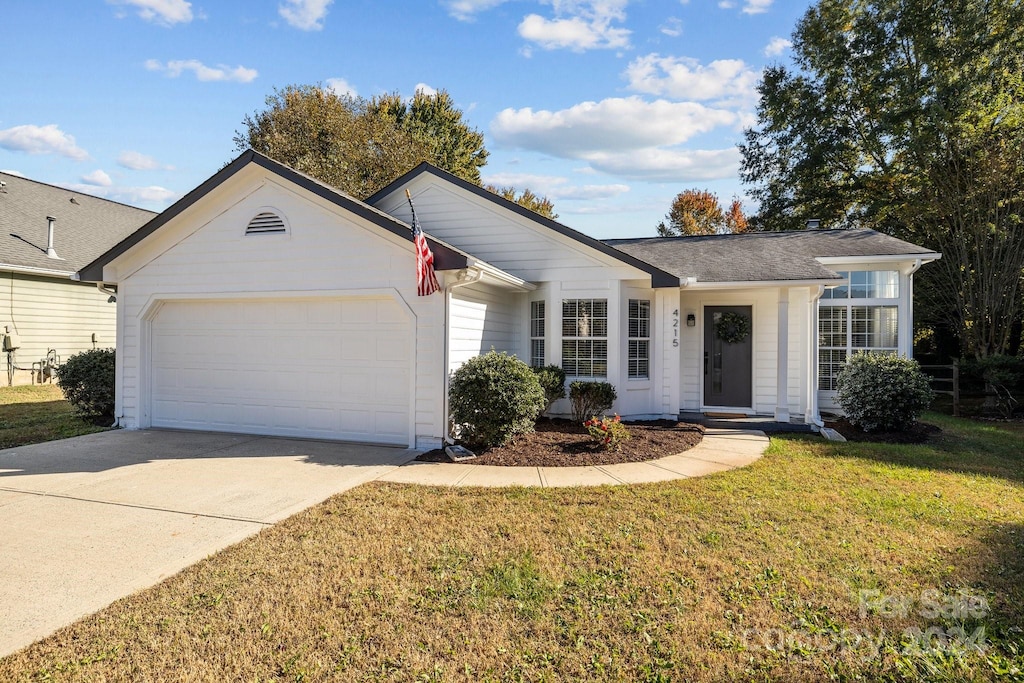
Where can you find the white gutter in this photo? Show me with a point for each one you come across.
(466, 276)
(499, 277)
(882, 258)
(761, 284)
(29, 270)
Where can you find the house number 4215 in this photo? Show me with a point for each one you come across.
(675, 327)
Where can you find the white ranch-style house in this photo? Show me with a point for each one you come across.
(267, 302)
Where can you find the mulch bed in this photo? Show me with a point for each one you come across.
(564, 443)
(919, 433)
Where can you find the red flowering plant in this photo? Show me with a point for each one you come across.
(607, 431)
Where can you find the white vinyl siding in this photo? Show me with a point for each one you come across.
(481, 317)
(204, 253)
(49, 313)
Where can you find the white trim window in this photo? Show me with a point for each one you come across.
(861, 315)
(585, 337)
(538, 327)
(639, 340)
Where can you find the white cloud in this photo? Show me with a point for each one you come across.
(554, 187)
(466, 10)
(723, 80)
(673, 26)
(425, 89)
(10, 172)
(165, 12)
(671, 165)
(152, 195)
(97, 177)
(221, 72)
(616, 125)
(776, 46)
(757, 6)
(341, 87)
(306, 15)
(137, 161)
(47, 139)
(726, 4)
(578, 26)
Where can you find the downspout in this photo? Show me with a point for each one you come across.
(908, 304)
(814, 416)
(103, 287)
(466, 276)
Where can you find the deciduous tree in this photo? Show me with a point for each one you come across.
(527, 199)
(698, 212)
(906, 116)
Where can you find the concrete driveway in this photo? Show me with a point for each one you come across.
(88, 520)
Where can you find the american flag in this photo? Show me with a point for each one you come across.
(426, 281)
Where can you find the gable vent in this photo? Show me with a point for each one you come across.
(265, 223)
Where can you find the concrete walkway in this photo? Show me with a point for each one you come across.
(95, 518)
(720, 450)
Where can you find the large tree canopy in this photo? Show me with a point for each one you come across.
(906, 116)
(698, 212)
(360, 145)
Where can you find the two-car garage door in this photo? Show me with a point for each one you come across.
(336, 368)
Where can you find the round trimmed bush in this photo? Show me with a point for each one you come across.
(882, 392)
(494, 397)
(552, 381)
(87, 380)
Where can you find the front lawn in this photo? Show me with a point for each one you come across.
(822, 560)
(37, 413)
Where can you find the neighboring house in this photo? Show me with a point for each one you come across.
(267, 302)
(47, 234)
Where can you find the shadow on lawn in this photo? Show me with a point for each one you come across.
(963, 446)
(999, 571)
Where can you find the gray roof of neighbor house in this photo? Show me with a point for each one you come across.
(763, 256)
(86, 226)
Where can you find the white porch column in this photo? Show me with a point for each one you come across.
(782, 360)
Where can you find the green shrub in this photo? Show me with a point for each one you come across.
(552, 381)
(494, 397)
(590, 398)
(87, 380)
(609, 432)
(882, 392)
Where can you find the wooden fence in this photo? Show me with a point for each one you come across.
(952, 381)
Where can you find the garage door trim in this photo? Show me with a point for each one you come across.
(152, 308)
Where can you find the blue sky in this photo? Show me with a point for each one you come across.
(608, 107)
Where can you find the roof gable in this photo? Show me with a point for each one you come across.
(445, 257)
(659, 277)
(85, 225)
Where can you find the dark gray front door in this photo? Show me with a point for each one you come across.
(727, 366)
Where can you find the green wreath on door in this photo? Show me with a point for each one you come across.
(732, 328)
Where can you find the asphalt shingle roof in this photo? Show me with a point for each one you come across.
(761, 256)
(85, 228)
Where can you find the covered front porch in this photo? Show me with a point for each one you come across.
(749, 352)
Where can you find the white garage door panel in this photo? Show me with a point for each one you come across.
(336, 368)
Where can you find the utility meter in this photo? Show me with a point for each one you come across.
(11, 341)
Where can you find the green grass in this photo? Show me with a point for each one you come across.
(37, 413)
(754, 574)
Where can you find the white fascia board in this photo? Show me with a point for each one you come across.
(764, 284)
(497, 276)
(886, 258)
(29, 270)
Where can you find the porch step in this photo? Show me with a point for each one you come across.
(765, 424)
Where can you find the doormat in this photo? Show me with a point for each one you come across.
(727, 416)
